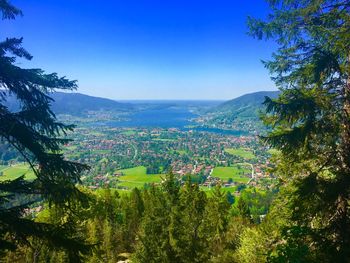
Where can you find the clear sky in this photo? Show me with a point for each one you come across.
(145, 49)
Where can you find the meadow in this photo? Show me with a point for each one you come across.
(237, 173)
(15, 171)
(241, 152)
(137, 177)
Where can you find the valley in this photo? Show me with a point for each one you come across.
(136, 143)
(135, 157)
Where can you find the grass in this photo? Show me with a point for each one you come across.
(100, 151)
(163, 140)
(70, 147)
(237, 173)
(180, 152)
(15, 171)
(209, 191)
(241, 152)
(273, 151)
(137, 177)
(230, 189)
(72, 155)
(128, 132)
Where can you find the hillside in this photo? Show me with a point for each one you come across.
(245, 105)
(77, 104)
(241, 113)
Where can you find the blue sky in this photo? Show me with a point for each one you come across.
(144, 49)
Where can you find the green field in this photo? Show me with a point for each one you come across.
(71, 147)
(273, 151)
(209, 191)
(128, 132)
(15, 171)
(237, 173)
(137, 177)
(163, 140)
(180, 152)
(101, 151)
(246, 154)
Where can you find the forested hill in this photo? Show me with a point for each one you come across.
(246, 105)
(77, 104)
(238, 113)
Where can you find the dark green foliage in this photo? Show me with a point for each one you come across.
(243, 209)
(170, 223)
(310, 124)
(182, 224)
(35, 133)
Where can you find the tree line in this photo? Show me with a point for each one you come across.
(309, 125)
(173, 222)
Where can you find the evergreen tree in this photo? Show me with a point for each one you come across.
(154, 243)
(36, 134)
(243, 209)
(193, 245)
(132, 210)
(310, 121)
(216, 221)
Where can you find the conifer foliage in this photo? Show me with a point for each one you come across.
(35, 132)
(310, 123)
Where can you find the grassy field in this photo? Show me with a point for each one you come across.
(246, 154)
(273, 151)
(70, 147)
(181, 152)
(128, 132)
(237, 173)
(210, 190)
(163, 140)
(15, 171)
(137, 177)
(102, 151)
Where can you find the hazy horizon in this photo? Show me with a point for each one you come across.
(142, 50)
(172, 99)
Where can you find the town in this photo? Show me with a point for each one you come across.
(134, 157)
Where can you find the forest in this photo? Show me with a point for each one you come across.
(304, 218)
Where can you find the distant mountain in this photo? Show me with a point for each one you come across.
(241, 113)
(246, 105)
(77, 104)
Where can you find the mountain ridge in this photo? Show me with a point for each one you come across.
(241, 113)
(78, 103)
(74, 103)
(255, 99)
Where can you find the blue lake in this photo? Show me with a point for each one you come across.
(160, 118)
(166, 118)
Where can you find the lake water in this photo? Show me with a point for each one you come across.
(160, 118)
(166, 118)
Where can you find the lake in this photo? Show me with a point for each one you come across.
(166, 118)
(160, 118)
